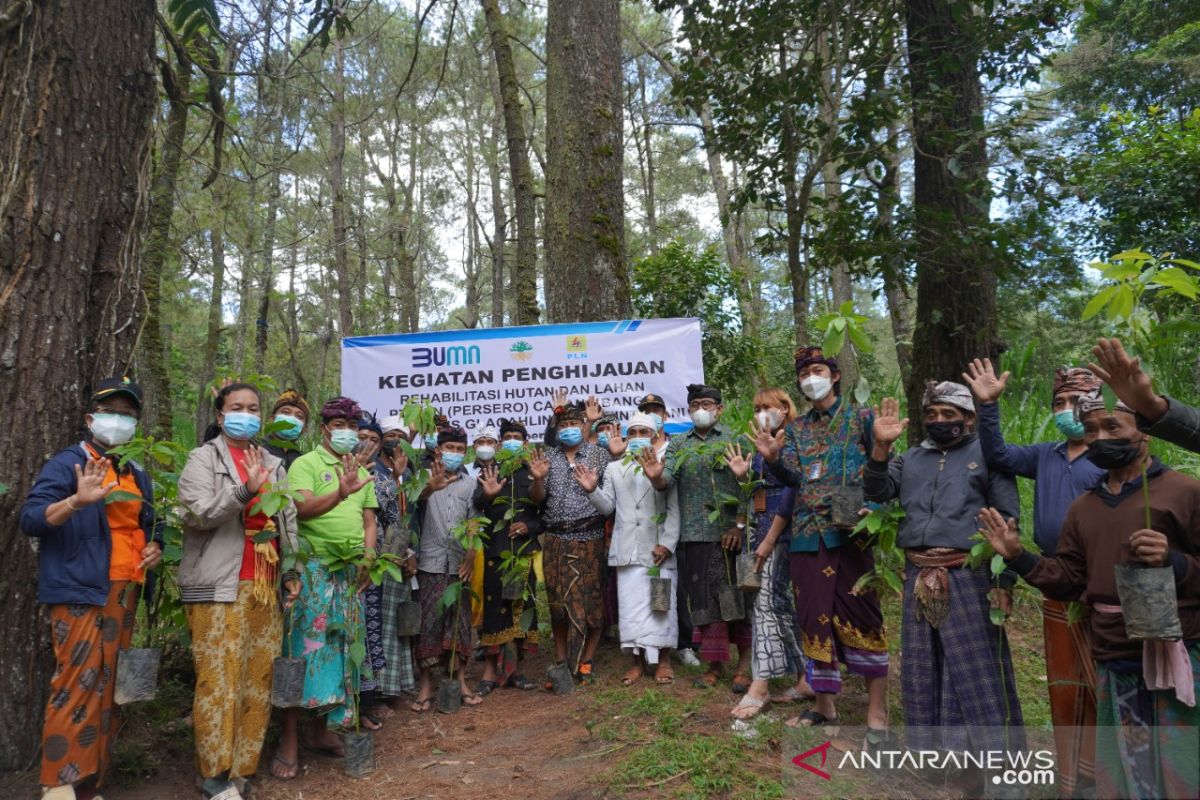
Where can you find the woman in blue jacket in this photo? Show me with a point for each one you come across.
(91, 557)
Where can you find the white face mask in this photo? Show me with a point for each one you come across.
(111, 430)
(485, 452)
(703, 419)
(767, 419)
(815, 387)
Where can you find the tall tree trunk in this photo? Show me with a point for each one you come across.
(79, 90)
(956, 285)
(246, 277)
(647, 144)
(895, 286)
(212, 337)
(337, 180)
(499, 219)
(154, 347)
(794, 213)
(524, 270)
(585, 242)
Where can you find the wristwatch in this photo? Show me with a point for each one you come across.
(741, 526)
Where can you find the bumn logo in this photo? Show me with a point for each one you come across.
(445, 356)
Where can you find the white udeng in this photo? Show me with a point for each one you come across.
(626, 491)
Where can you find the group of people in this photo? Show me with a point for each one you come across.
(628, 525)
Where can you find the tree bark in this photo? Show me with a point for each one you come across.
(337, 180)
(499, 220)
(647, 144)
(524, 271)
(895, 286)
(956, 285)
(585, 242)
(79, 90)
(212, 336)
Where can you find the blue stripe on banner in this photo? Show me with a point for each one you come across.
(633, 326)
(463, 334)
(621, 326)
(677, 427)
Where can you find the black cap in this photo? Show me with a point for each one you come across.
(114, 386)
(651, 400)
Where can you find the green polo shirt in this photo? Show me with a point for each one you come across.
(316, 472)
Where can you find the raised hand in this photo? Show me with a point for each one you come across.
(739, 465)
(398, 461)
(348, 480)
(1003, 535)
(438, 477)
(539, 465)
(617, 444)
(1128, 380)
(592, 410)
(490, 481)
(559, 398)
(985, 385)
(651, 466)
(586, 477)
(366, 456)
(767, 443)
(888, 425)
(89, 482)
(256, 471)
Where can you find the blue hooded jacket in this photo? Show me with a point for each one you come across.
(73, 558)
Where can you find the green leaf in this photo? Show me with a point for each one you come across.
(1076, 612)
(1097, 303)
(998, 566)
(996, 615)
(121, 496)
(1122, 303)
(893, 581)
(1177, 280)
(834, 340)
(1120, 272)
(358, 653)
(860, 339)
(265, 536)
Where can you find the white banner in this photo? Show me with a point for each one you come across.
(476, 377)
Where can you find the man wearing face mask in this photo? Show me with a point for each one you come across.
(706, 548)
(1061, 474)
(956, 669)
(822, 454)
(573, 547)
(1161, 416)
(1147, 718)
(291, 413)
(90, 552)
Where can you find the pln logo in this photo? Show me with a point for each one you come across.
(576, 346)
(455, 356)
(521, 351)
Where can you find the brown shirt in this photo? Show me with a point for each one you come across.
(1095, 538)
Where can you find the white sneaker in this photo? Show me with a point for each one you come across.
(687, 657)
(66, 792)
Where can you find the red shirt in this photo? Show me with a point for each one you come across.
(252, 519)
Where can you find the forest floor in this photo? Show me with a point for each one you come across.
(604, 741)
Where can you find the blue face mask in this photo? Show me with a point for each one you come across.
(452, 461)
(1068, 426)
(638, 444)
(240, 425)
(294, 429)
(658, 420)
(570, 436)
(512, 445)
(343, 440)
(602, 438)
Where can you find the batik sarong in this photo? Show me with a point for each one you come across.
(233, 647)
(574, 588)
(372, 602)
(322, 628)
(776, 651)
(704, 567)
(439, 634)
(81, 717)
(1071, 679)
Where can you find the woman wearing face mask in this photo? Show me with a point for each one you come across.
(773, 611)
(291, 413)
(337, 507)
(230, 588)
(90, 553)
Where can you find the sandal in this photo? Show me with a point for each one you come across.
(421, 706)
(219, 789)
(370, 722)
(585, 676)
(290, 768)
(792, 695)
(471, 698)
(632, 676)
(521, 682)
(811, 719)
(740, 683)
(753, 705)
(877, 739)
(484, 688)
(707, 681)
(663, 674)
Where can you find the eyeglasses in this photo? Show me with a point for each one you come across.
(123, 413)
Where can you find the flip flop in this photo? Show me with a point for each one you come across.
(421, 706)
(292, 766)
(792, 695)
(740, 683)
(484, 688)
(811, 719)
(471, 699)
(664, 675)
(706, 681)
(748, 701)
(521, 682)
(632, 676)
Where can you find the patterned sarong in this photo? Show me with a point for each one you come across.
(397, 675)
(776, 651)
(837, 626)
(372, 602)
(957, 682)
(704, 567)
(441, 634)
(574, 588)
(1071, 679)
(81, 718)
(233, 646)
(320, 630)
(1147, 741)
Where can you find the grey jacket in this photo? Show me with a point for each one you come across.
(636, 502)
(941, 493)
(1180, 425)
(212, 498)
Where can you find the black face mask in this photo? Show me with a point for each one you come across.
(943, 433)
(1113, 453)
(388, 448)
